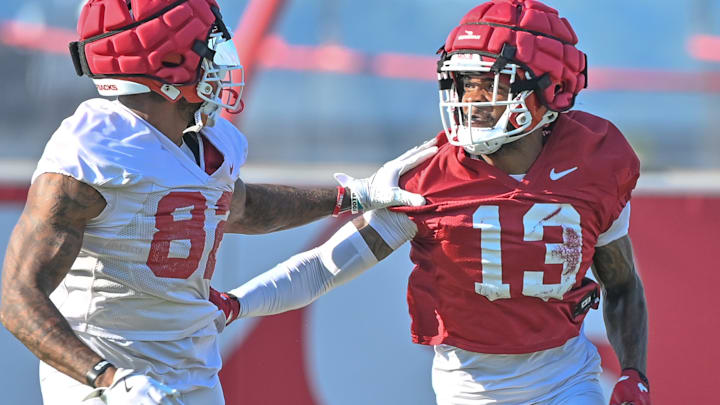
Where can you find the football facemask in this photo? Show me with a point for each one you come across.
(217, 85)
(482, 125)
(217, 88)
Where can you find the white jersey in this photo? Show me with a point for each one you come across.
(144, 269)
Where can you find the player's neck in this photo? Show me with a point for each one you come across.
(517, 157)
(162, 116)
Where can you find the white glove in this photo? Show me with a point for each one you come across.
(381, 189)
(136, 389)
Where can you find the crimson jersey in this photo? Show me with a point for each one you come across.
(500, 264)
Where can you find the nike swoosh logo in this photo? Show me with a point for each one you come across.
(127, 389)
(558, 175)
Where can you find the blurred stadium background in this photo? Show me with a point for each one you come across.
(345, 85)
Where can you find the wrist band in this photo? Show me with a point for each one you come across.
(338, 200)
(355, 205)
(640, 374)
(92, 375)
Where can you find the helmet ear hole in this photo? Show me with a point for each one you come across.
(173, 60)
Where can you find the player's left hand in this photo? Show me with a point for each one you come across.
(129, 387)
(381, 189)
(632, 388)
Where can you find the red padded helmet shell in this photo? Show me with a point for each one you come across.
(152, 41)
(544, 42)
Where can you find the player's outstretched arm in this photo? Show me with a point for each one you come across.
(298, 281)
(42, 247)
(263, 208)
(625, 313)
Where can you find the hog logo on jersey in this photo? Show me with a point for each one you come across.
(569, 252)
(106, 87)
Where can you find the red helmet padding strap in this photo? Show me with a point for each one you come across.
(157, 41)
(544, 43)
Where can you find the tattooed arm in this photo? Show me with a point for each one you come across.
(625, 310)
(264, 208)
(42, 247)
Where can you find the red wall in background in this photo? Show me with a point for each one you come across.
(675, 240)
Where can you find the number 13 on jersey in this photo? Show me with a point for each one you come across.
(568, 253)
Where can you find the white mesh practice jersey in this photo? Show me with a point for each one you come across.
(144, 269)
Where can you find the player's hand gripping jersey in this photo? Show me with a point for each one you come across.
(144, 269)
(500, 264)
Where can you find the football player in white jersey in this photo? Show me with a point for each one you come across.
(523, 197)
(106, 276)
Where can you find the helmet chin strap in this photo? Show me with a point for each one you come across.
(210, 111)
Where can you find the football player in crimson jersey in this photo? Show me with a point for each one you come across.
(107, 273)
(523, 197)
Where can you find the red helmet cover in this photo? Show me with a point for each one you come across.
(152, 43)
(544, 42)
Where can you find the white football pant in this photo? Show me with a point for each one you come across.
(565, 375)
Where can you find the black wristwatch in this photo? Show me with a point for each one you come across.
(96, 371)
